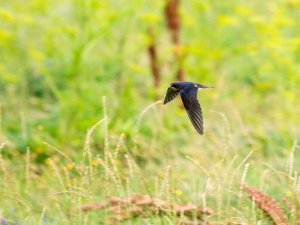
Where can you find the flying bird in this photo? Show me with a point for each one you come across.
(188, 94)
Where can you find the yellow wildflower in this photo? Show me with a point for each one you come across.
(70, 30)
(267, 67)
(70, 166)
(5, 35)
(99, 5)
(47, 161)
(39, 149)
(265, 85)
(94, 162)
(227, 20)
(251, 48)
(6, 15)
(150, 16)
(283, 20)
(161, 174)
(294, 41)
(295, 3)
(272, 43)
(218, 165)
(40, 127)
(242, 10)
(179, 50)
(201, 5)
(36, 55)
(136, 67)
(9, 77)
(288, 193)
(25, 19)
(178, 193)
(257, 19)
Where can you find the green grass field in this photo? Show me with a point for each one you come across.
(80, 119)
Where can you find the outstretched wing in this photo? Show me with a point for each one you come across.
(171, 94)
(193, 109)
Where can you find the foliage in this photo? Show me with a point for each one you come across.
(59, 58)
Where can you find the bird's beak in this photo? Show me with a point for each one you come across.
(204, 86)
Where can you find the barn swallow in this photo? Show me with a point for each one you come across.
(188, 94)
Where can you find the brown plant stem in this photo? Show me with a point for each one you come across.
(152, 52)
(172, 19)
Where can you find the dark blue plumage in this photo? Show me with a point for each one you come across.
(188, 94)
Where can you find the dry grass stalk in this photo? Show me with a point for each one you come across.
(267, 204)
(292, 210)
(87, 146)
(3, 167)
(27, 169)
(138, 205)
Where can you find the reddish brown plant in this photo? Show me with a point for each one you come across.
(267, 204)
(138, 205)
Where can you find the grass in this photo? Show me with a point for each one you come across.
(56, 191)
(64, 145)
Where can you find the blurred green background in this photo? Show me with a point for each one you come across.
(59, 58)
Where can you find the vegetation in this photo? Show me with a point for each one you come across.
(81, 118)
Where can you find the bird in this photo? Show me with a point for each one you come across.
(188, 93)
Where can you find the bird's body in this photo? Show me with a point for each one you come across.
(188, 94)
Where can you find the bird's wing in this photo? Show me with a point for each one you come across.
(193, 109)
(171, 94)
